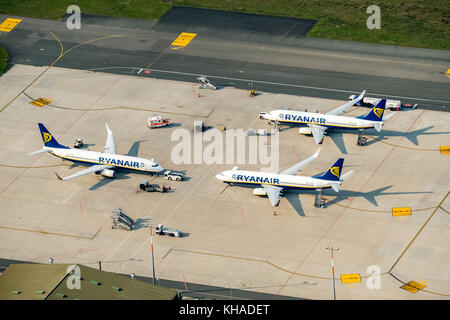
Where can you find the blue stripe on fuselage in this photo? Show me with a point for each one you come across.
(275, 185)
(329, 126)
(85, 162)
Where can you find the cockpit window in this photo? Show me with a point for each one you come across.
(155, 165)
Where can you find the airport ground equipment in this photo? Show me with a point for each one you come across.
(171, 232)
(361, 139)
(275, 123)
(157, 122)
(150, 187)
(121, 220)
(260, 132)
(78, 143)
(319, 202)
(252, 93)
(199, 126)
(394, 105)
(206, 84)
(170, 175)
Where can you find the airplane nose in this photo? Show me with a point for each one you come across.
(219, 176)
(160, 168)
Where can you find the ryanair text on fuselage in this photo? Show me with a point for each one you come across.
(244, 178)
(119, 162)
(299, 118)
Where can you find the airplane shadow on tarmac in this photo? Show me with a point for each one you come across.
(120, 175)
(411, 136)
(369, 196)
(293, 197)
(336, 135)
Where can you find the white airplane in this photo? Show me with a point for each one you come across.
(318, 123)
(274, 183)
(104, 163)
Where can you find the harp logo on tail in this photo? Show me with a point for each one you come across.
(47, 137)
(378, 112)
(335, 171)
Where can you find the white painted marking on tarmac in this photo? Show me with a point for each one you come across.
(267, 82)
(298, 86)
(140, 70)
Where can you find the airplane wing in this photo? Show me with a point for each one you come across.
(344, 107)
(110, 146)
(317, 132)
(92, 169)
(299, 166)
(273, 193)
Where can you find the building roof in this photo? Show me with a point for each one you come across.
(60, 282)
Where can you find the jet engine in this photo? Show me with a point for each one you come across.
(108, 173)
(259, 192)
(262, 115)
(305, 130)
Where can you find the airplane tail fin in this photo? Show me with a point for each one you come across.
(334, 173)
(49, 140)
(376, 114)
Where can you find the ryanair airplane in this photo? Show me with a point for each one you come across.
(104, 163)
(273, 184)
(317, 123)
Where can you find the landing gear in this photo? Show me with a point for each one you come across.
(319, 202)
(361, 139)
(276, 124)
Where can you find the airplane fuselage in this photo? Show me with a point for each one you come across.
(100, 158)
(258, 178)
(328, 121)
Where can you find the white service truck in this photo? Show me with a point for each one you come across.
(161, 230)
(170, 175)
(394, 105)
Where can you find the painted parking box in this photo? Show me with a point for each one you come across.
(41, 102)
(183, 39)
(351, 278)
(413, 286)
(406, 211)
(445, 149)
(9, 24)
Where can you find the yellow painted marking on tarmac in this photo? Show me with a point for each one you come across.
(444, 149)
(406, 211)
(351, 278)
(413, 286)
(61, 54)
(40, 102)
(53, 233)
(183, 39)
(9, 24)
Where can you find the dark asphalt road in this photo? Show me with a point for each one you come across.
(252, 49)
